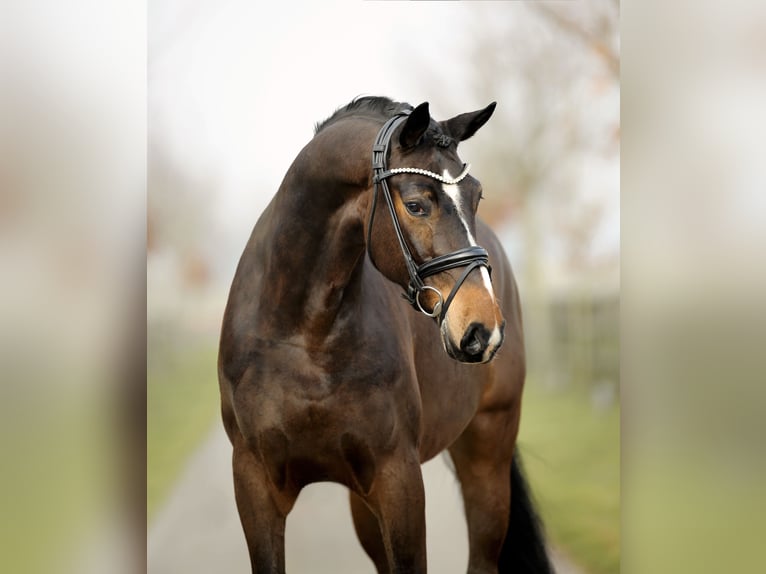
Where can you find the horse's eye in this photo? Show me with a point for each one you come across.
(415, 208)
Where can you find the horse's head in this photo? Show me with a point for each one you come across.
(422, 235)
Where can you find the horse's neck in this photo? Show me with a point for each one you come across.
(315, 239)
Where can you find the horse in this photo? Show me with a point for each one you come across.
(361, 338)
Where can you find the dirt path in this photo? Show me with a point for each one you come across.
(197, 531)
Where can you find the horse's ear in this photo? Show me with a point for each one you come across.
(465, 125)
(415, 126)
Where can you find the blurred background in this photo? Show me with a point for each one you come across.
(93, 390)
(234, 91)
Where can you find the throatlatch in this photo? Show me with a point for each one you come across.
(469, 257)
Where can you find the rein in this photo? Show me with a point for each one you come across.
(469, 257)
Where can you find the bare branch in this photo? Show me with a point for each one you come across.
(574, 29)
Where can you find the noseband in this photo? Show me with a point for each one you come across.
(468, 257)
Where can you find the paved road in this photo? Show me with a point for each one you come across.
(197, 531)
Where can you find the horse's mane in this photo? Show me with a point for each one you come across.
(376, 106)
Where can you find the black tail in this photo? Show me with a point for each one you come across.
(524, 549)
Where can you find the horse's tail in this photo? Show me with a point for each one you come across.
(524, 550)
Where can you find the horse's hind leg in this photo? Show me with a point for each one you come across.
(368, 532)
(263, 510)
(482, 458)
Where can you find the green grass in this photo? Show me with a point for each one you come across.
(182, 404)
(694, 512)
(572, 458)
(57, 476)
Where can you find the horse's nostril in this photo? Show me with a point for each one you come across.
(473, 348)
(475, 340)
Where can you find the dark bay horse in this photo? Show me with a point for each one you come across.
(327, 374)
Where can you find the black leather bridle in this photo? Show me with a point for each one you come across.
(469, 257)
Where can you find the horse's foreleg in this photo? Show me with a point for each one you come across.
(263, 510)
(368, 532)
(397, 499)
(482, 459)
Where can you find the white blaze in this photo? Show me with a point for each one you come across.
(453, 192)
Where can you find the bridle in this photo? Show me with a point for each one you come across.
(469, 257)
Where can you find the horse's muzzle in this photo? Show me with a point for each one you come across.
(479, 344)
